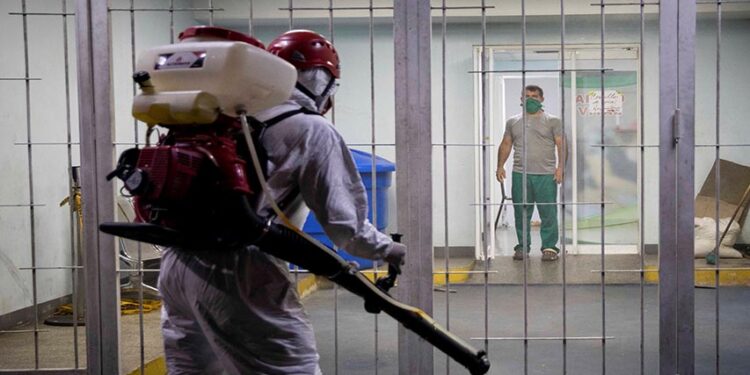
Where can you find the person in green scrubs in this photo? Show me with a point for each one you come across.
(541, 156)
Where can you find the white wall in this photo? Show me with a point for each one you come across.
(48, 124)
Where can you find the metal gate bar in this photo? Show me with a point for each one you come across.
(29, 153)
(676, 184)
(95, 118)
(412, 39)
(601, 185)
(446, 236)
(717, 186)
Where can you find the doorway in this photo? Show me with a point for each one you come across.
(575, 97)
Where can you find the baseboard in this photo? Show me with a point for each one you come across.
(26, 315)
(454, 251)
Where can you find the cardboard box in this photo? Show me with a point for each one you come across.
(735, 178)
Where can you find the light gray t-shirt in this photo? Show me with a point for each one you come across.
(541, 131)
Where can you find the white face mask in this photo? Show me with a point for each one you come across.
(318, 84)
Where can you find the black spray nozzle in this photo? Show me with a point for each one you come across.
(143, 79)
(141, 76)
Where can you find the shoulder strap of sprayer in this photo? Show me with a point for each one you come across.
(259, 128)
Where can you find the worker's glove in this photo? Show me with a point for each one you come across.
(396, 254)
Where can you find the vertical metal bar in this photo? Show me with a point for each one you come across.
(139, 262)
(373, 166)
(331, 36)
(171, 21)
(563, 164)
(602, 206)
(141, 340)
(296, 267)
(95, 119)
(210, 12)
(446, 242)
(69, 148)
(330, 19)
(668, 86)
(30, 159)
(686, 187)
(717, 284)
(574, 149)
(524, 195)
(291, 14)
(335, 286)
(676, 183)
(412, 37)
(642, 212)
(486, 239)
(250, 19)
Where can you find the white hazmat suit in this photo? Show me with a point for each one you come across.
(238, 311)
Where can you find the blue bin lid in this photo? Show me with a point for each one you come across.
(363, 161)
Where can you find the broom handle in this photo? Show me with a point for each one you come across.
(734, 215)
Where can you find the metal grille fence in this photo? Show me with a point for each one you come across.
(433, 182)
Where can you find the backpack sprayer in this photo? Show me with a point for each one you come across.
(194, 189)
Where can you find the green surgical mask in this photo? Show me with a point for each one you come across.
(533, 105)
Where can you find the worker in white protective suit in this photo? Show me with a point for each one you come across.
(238, 312)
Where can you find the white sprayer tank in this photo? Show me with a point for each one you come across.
(231, 67)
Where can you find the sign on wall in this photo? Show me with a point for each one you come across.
(590, 103)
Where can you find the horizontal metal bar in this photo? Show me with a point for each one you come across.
(434, 144)
(464, 7)
(40, 14)
(724, 2)
(336, 8)
(724, 145)
(541, 70)
(623, 271)
(462, 144)
(129, 270)
(46, 143)
(164, 9)
(51, 268)
(725, 269)
(128, 143)
(463, 272)
(622, 4)
(24, 331)
(21, 205)
(541, 204)
(19, 79)
(54, 371)
(545, 338)
(622, 146)
(371, 144)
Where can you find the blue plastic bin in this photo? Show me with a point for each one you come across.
(383, 175)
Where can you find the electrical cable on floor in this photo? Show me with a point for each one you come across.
(128, 306)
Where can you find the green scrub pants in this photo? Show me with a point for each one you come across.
(540, 188)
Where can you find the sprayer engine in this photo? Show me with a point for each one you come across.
(179, 182)
(199, 90)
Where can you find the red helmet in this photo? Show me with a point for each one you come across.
(221, 33)
(306, 49)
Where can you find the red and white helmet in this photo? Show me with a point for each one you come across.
(306, 49)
